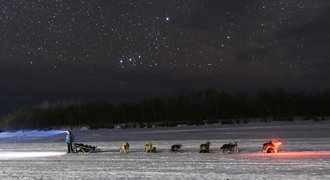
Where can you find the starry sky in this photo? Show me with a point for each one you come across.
(127, 50)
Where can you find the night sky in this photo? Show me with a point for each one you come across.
(127, 50)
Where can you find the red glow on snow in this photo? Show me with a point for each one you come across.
(306, 154)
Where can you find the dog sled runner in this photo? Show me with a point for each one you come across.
(84, 148)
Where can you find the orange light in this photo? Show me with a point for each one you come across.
(271, 146)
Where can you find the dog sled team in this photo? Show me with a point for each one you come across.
(230, 148)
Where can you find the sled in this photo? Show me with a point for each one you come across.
(84, 148)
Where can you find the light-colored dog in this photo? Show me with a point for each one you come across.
(147, 147)
(124, 148)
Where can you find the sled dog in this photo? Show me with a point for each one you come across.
(271, 146)
(176, 148)
(124, 148)
(147, 147)
(204, 148)
(152, 150)
(230, 148)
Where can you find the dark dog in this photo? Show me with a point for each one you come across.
(152, 150)
(176, 148)
(204, 148)
(230, 148)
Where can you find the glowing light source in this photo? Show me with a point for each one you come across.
(272, 146)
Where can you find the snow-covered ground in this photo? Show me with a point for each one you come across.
(305, 153)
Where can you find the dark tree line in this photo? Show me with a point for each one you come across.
(187, 107)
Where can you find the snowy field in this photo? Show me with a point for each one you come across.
(305, 153)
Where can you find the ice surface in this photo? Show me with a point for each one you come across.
(305, 154)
